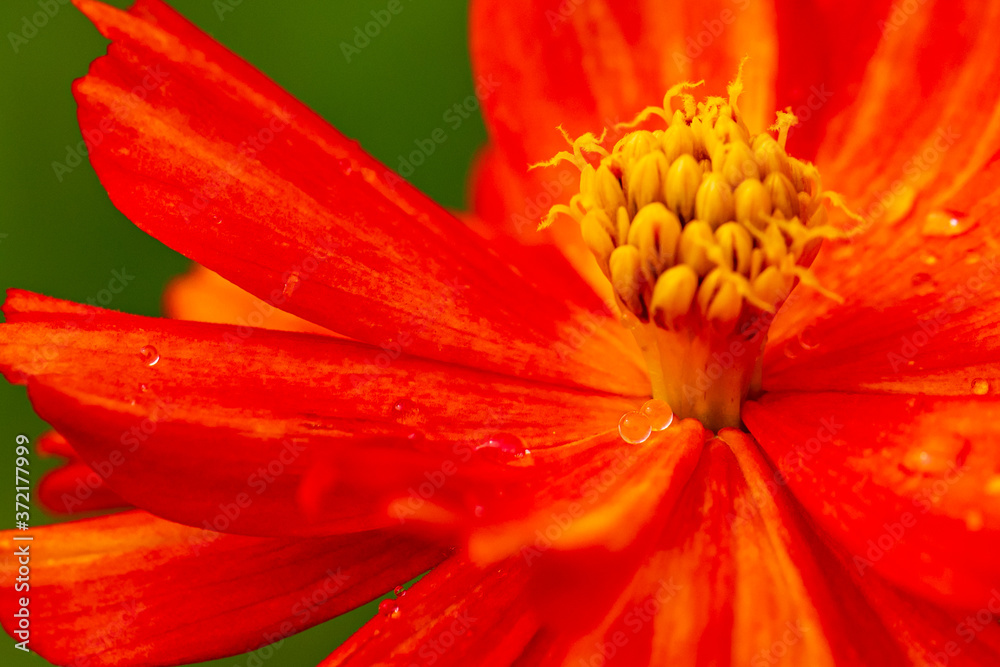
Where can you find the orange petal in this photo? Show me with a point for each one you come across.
(209, 156)
(909, 485)
(457, 615)
(203, 295)
(195, 416)
(132, 589)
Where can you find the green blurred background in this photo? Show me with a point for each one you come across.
(64, 238)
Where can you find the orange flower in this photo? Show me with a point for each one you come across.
(465, 415)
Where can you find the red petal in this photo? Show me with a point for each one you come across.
(602, 493)
(590, 65)
(76, 487)
(132, 589)
(456, 615)
(218, 415)
(212, 158)
(909, 485)
(205, 296)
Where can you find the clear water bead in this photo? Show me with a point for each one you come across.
(388, 608)
(659, 413)
(634, 427)
(149, 355)
(947, 223)
(980, 387)
(506, 448)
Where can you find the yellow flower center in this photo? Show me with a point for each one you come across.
(703, 229)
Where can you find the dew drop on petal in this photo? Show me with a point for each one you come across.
(928, 258)
(974, 520)
(937, 454)
(388, 608)
(634, 427)
(398, 591)
(980, 387)
(506, 448)
(290, 285)
(808, 339)
(947, 223)
(143, 388)
(659, 413)
(345, 166)
(404, 407)
(792, 349)
(149, 355)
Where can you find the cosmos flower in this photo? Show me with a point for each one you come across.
(481, 411)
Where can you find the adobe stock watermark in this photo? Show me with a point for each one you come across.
(454, 117)
(899, 14)
(640, 615)
(31, 24)
(710, 30)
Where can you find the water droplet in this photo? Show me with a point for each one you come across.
(923, 283)
(936, 455)
(980, 387)
(947, 223)
(792, 349)
(143, 388)
(404, 407)
(290, 285)
(506, 448)
(388, 608)
(974, 520)
(399, 591)
(634, 428)
(659, 413)
(345, 166)
(149, 355)
(480, 511)
(972, 258)
(808, 339)
(929, 258)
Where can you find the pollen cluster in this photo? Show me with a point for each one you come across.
(700, 219)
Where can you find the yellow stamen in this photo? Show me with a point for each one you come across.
(702, 228)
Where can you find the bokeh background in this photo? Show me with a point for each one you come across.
(63, 237)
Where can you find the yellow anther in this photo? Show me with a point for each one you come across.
(696, 242)
(752, 203)
(672, 295)
(736, 245)
(772, 285)
(719, 300)
(771, 157)
(739, 164)
(783, 196)
(596, 236)
(683, 179)
(678, 140)
(647, 181)
(622, 225)
(627, 278)
(655, 231)
(608, 190)
(714, 202)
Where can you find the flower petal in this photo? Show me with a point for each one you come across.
(590, 65)
(77, 487)
(735, 577)
(919, 312)
(209, 156)
(910, 486)
(132, 589)
(457, 611)
(193, 416)
(600, 493)
(203, 295)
